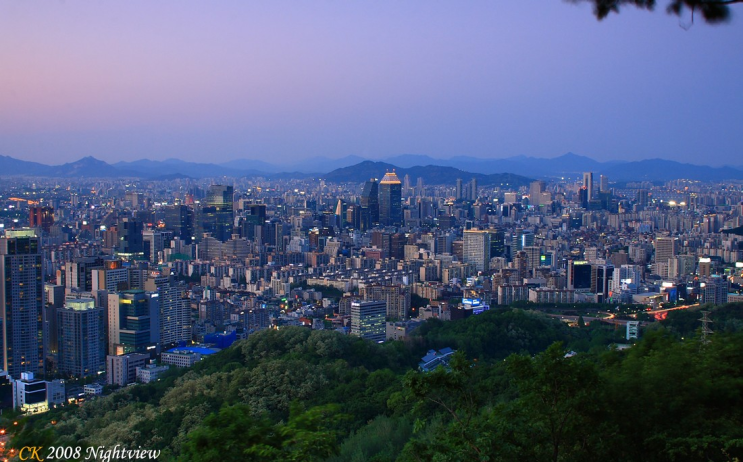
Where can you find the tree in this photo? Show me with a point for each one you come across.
(713, 11)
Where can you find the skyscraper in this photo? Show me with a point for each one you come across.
(219, 201)
(22, 298)
(179, 220)
(536, 188)
(390, 200)
(130, 236)
(369, 205)
(603, 183)
(459, 193)
(133, 322)
(81, 338)
(588, 185)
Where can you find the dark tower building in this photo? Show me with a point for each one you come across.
(179, 220)
(369, 205)
(22, 298)
(258, 210)
(497, 243)
(130, 236)
(41, 217)
(133, 322)
(390, 200)
(219, 198)
(353, 216)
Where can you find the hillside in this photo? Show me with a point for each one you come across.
(297, 394)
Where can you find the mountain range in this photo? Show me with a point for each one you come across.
(512, 170)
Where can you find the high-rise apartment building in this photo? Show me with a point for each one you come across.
(175, 312)
(395, 296)
(665, 249)
(22, 298)
(81, 338)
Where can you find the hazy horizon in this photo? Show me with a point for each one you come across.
(292, 81)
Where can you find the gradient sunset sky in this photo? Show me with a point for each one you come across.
(285, 80)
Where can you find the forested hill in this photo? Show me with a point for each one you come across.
(297, 394)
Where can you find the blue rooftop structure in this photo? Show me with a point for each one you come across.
(195, 349)
(434, 359)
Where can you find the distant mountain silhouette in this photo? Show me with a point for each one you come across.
(353, 168)
(151, 168)
(567, 164)
(431, 174)
(90, 167)
(666, 170)
(10, 166)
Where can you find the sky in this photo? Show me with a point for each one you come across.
(283, 81)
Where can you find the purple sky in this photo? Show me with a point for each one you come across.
(277, 81)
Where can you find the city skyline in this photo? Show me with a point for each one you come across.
(291, 82)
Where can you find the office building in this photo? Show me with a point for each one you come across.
(133, 322)
(579, 276)
(369, 203)
(130, 236)
(150, 372)
(476, 249)
(34, 396)
(179, 220)
(122, 369)
(22, 298)
(368, 320)
(181, 357)
(215, 216)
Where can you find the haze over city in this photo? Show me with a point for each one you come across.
(284, 80)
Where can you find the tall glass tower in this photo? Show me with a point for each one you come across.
(369, 205)
(390, 200)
